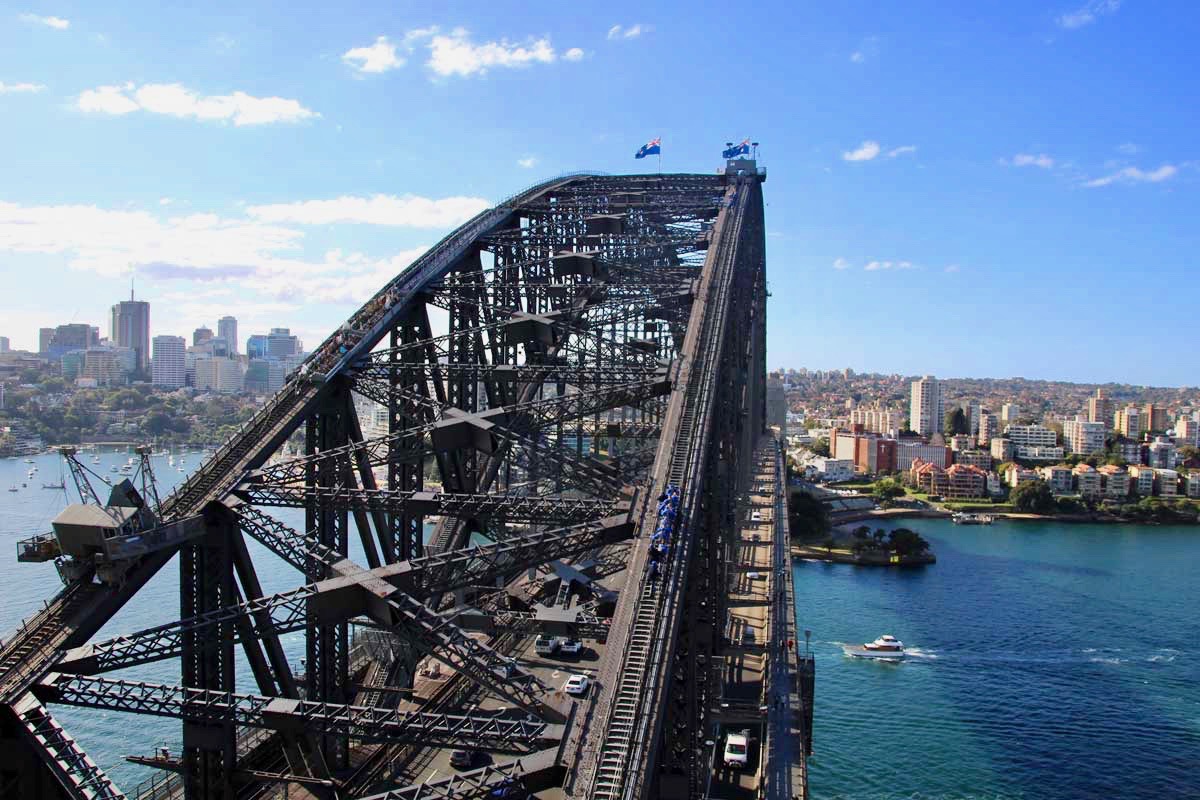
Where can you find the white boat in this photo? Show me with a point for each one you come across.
(886, 647)
(13, 488)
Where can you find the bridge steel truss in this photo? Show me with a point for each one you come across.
(546, 370)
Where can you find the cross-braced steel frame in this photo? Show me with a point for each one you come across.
(544, 371)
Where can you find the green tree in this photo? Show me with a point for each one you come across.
(886, 490)
(906, 542)
(956, 422)
(820, 446)
(808, 518)
(1033, 497)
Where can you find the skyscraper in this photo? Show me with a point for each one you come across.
(227, 330)
(4, 347)
(170, 361)
(256, 345)
(45, 339)
(201, 335)
(926, 410)
(281, 343)
(131, 328)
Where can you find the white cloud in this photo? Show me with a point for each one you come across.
(857, 57)
(631, 32)
(456, 54)
(1135, 175)
(58, 23)
(841, 263)
(875, 266)
(529, 162)
(17, 88)
(1088, 13)
(378, 57)
(172, 99)
(381, 209)
(574, 54)
(1129, 149)
(903, 149)
(1029, 160)
(951, 268)
(867, 50)
(865, 152)
(264, 258)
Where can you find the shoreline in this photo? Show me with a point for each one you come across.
(869, 559)
(849, 517)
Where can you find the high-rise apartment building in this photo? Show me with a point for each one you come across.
(1129, 422)
(219, 374)
(989, 427)
(1154, 417)
(169, 364)
(876, 420)
(55, 342)
(45, 339)
(131, 328)
(4, 347)
(1100, 408)
(1084, 437)
(109, 366)
(201, 335)
(926, 409)
(1009, 412)
(227, 330)
(777, 406)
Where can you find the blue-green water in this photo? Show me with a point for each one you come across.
(1051, 661)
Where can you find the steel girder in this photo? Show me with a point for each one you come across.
(543, 509)
(515, 778)
(517, 418)
(285, 612)
(370, 724)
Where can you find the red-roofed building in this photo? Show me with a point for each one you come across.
(965, 480)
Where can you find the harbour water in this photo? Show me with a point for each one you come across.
(1049, 661)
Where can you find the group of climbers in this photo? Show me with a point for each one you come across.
(660, 541)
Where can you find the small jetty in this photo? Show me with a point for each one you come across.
(963, 518)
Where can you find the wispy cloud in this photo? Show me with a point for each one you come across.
(381, 209)
(841, 263)
(866, 51)
(1030, 160)
(876, 266)
(174, 100)
(378, 57)
(1129, 149)
(904, 149)
(529, 162)
(574, 54)
(865, 152)
(629, 32)
(20, 88)
(951, 268)
(456, 54)
(1088, 13)
(58, 23)
(1135, 175)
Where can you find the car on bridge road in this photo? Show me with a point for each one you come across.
(545, 645)
(737, 749)
(462, 759)
(568, 646)
(577, 685)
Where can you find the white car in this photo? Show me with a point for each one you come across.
(756, 516)
(571, 647)
(577, 684)
(737, 749)
(545, 646)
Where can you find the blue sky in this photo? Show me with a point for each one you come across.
(957, 189)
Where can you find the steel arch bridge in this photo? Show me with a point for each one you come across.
(548, 370)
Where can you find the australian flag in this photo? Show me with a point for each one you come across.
(650, 148)
(742, 149)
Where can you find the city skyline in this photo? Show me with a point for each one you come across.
(261, 174)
